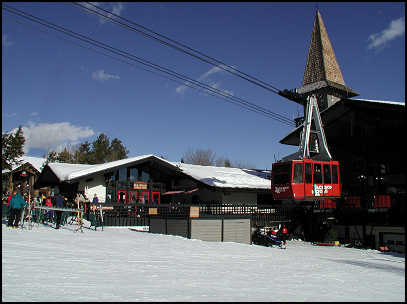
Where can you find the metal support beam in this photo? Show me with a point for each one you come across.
(313, 144)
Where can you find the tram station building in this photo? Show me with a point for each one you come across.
(363, 135)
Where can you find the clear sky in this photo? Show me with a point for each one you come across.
(63, 94)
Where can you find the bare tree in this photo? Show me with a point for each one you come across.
(199, 157)
(223, 162)
(242, 165)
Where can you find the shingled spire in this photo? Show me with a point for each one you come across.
(321, 62)
(322, 74)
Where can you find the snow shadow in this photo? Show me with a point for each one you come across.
(364, 264)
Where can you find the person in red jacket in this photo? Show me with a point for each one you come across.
(48, 202)
(49, 214)
(284, 236)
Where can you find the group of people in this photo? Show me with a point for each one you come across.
(16, 204)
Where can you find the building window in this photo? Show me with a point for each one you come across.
(133, 174)
(145, 176)
(123, 174)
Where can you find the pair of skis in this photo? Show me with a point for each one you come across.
(29, 216)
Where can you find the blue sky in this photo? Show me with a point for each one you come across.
(63, 94)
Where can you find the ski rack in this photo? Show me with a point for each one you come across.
(313, 141)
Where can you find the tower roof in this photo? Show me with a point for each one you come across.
(322, 69)
(321, 61)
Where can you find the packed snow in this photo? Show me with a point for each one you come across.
(117, 264)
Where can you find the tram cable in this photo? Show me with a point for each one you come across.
(187, 81)
(178, 46)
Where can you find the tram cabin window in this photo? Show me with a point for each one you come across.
(317, 174)
(308, 173)
(298, 169)
(334, 174)
(282, 174)
(327, 174)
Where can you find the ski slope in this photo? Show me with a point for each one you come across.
(117, 264)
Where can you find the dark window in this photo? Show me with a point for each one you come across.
(133, 197)
(281, 174)
(308, 173)
(334, 174)
(133, 174)
(281, 179)
(327, 174)
(298, 169)
(122, 174)
(317, 174)
(145, 176)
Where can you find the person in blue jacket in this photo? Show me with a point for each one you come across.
(17, 203)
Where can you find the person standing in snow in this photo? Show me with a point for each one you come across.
(60, 203)
(48, 203)
(87, 207)
(17, 203)
(95, 199)
(284, 236)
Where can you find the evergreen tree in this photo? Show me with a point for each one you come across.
(12, 148)
(66, 156)
(116, 150)
(100, 149)
(98, 152)
(83, 154)
(50, 157)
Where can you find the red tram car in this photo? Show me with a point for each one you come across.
(305, 179)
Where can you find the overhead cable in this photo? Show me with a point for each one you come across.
(186, 80)
(178, 46)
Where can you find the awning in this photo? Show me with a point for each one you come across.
(172, 192)
(191, 191)
(180, 192)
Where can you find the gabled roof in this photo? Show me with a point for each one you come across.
(222, 177)
(35, 162)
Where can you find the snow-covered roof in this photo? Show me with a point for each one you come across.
(222, 177)
(36, 162)
(64, 170)
(398, 103)
(106, 166)
(225, 177)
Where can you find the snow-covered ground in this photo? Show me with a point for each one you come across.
(44, 264)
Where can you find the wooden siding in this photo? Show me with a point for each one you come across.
(237, 230)
(206, 230)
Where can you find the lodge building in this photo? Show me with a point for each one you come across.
(151, 179)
